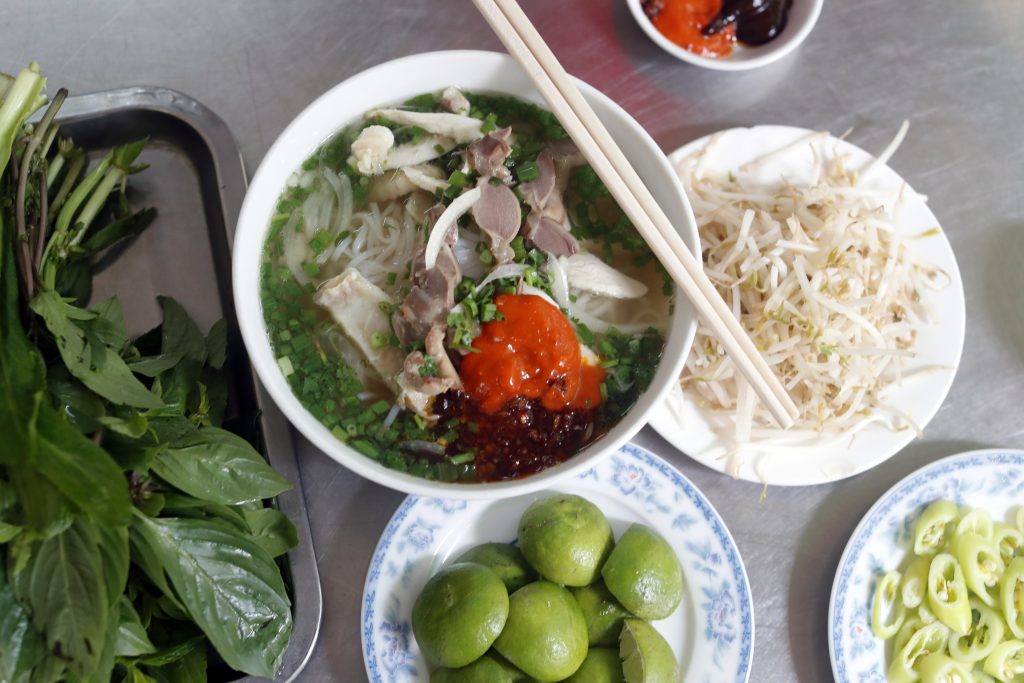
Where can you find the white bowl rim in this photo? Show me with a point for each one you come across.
(765, 54)
(253, 224)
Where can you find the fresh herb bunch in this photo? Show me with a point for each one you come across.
(135, 543)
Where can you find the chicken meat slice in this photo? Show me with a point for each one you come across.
(589, 273)
(454, 101)
(407, 180)
(462, 129)
(355, 304)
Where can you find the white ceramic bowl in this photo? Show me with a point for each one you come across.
(394, 82)
(801, 19)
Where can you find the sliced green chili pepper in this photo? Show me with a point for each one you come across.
(926, 640)
(930, 529)
(915, 582)
(1008, 540)
(947, 593)
(911, 625)
(925, 614)
(982, 677)
(981, 566)
(985, 633)
(1012, 597)
(1006, 660)
(978, 521)
(887, 610)
(938, 668)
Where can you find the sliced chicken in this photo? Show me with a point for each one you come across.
(434, 344)
(374, 150)
(406, 180)
(462, 129)
(371, 148)
(589, 273)
(419, 384)
(355, 303)
(449, 219)
(454, 101)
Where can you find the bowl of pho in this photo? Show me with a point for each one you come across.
(440, 293)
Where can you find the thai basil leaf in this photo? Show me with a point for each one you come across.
(80, 406)
(190, 668)
(74, 281)
(230, 586)
(151, 366)
(145, 557)
(21, 367)
(132, 639)
(66, 592)
(180, 505)
(215, 465)
(179, 334)
(8, 532)
(83, 471)
(272, 529)
(217, 344)
(87, 357)
(108, 325)
(112, 542)
(174, 653)
(21, 647)
(134, 425)
(45, 510)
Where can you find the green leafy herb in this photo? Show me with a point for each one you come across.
(133, 528)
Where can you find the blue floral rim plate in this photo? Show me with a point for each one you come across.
(712, 632)
(992, 479)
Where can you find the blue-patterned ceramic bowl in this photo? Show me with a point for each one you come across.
(992, 479)
(712, 632)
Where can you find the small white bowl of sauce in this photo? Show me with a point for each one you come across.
(727, 35)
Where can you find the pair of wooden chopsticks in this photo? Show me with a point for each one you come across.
(581, 123)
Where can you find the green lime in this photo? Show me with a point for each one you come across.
(491, 668)
(545, 635)
(646, 655)
(503, 559)
(566, 539)
(643, 572)
(603, 613)
(602, 665)
(459, 613)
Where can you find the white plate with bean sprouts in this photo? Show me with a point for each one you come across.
(843, 277)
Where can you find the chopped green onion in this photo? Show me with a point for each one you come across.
(463, 458)
(285, 363)
(527, 171)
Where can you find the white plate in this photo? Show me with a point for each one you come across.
(992, 479)
(712, 632)
(683, 425)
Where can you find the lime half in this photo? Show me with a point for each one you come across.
(646, 655)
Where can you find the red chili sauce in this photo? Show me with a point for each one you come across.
(529, 400)
(710, 28)
(683, 21)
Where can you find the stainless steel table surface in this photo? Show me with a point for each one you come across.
(954, 68)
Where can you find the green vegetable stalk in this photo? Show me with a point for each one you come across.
(136, 538)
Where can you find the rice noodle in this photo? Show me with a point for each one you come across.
(826, 287)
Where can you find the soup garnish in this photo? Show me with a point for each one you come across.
(451, 290)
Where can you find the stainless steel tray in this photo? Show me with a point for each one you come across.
(196, 181)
